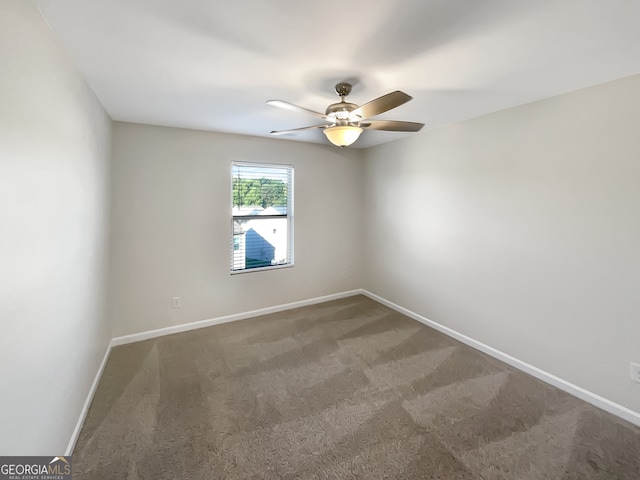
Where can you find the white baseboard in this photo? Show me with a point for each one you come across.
(589, 397)
(87, 402)
(583, 394)
(137, 337)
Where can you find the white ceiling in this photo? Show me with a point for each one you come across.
(211, 65)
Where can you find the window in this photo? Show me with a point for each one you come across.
(262, 216)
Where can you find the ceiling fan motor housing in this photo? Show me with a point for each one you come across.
(340, 111)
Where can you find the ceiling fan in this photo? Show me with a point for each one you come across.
(346, 121)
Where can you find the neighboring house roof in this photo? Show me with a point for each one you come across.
(247, 210)
(281, 210)
(257, 210)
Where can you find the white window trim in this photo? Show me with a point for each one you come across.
(289, 217)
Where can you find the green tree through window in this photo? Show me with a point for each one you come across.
(263, 192)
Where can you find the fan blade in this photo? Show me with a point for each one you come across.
(381, 105)
(392, 125)
(294, 108)
(294, 130)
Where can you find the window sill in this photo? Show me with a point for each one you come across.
(261, 269)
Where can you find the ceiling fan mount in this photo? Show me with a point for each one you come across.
(346, 121)
(343, 89)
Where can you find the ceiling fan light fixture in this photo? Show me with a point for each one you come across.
(342, 135)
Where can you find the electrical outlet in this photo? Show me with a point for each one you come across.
(176, 302)
(635, 372)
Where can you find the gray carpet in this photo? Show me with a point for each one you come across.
(340, 390)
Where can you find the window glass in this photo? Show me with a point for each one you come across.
(262, 216)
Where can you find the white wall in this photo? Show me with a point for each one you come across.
(172, 225)
(54, 161)
(521, 230)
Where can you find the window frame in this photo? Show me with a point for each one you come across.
(289, 216)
